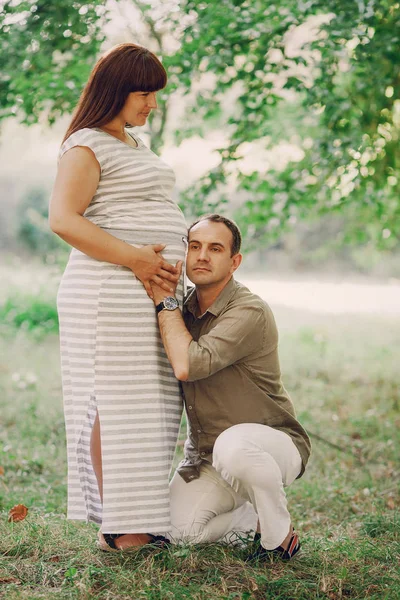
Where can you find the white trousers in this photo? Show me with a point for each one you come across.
(252, 464)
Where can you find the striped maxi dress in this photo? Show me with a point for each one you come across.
(112, 357)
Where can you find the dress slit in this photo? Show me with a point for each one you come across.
(87, 476)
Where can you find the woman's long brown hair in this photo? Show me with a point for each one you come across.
(124, 69)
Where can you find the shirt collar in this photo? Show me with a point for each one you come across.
(219, 303)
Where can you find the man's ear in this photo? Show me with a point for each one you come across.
(236, 262)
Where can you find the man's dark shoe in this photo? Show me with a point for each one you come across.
(260, 553)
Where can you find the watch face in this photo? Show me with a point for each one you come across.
(171, 303)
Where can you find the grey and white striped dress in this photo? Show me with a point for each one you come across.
(112, 356)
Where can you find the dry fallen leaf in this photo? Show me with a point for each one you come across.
(253, 584)
(17, 513)
(391, 504)
(1, 471)
(9, 580)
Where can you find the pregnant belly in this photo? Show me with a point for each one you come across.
(146, 224)
(174, 242)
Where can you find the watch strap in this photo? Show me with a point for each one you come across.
(160, 307)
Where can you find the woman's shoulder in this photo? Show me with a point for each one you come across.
(86, 134)
(89, 138)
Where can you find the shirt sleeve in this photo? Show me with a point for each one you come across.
(238, 333)
(88, 138)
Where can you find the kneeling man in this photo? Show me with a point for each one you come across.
(244, 442)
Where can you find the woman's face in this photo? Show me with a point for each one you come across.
(138, 106)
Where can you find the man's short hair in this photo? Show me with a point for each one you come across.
(231, 225)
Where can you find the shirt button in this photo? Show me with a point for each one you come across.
(199, 431)
(203, 453)
(190, 407)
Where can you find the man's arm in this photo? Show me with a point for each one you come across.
(238, 334)
(175, 336)
(176, 340)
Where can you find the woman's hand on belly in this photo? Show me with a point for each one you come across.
(159, 292)
(149, 267)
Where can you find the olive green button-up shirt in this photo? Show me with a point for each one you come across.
(234, 374)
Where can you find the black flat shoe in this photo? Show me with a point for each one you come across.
(110, 538)
(106, 542)
(158, 540)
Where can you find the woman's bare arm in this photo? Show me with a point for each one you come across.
(75, 185)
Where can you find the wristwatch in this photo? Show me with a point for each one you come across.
(169, 303)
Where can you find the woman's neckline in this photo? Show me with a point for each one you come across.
(137, 140)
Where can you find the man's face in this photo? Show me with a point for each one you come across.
(209, 261)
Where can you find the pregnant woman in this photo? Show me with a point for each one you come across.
(112, 202)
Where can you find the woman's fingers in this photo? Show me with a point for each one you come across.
(148, 289)
(174, 277)
(179, 266)
(168, 267)
(160, 281)
(157, 247)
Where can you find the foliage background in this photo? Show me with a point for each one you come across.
(304, 97)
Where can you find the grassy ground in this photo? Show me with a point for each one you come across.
(343, 375)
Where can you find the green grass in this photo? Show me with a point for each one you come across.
(343, 376)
